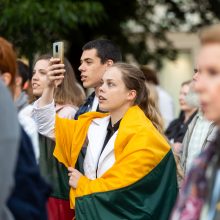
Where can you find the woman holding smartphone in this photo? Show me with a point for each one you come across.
(68, 96)
(120, 166)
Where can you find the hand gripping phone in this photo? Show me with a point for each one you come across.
(58, 50)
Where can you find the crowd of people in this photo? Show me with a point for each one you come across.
(117, 154)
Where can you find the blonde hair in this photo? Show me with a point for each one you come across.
(134, 79)
(69, 91)
(153, 107)
(210, 34)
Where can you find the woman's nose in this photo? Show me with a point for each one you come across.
(102, 88)
(35, 76)
(195, 76)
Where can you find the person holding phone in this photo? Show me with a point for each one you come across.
(120, 166)
(68, 96)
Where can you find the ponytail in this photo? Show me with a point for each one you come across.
(134, 79)
(151, 108)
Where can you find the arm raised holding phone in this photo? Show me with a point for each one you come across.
(55, 75)
(44, 108)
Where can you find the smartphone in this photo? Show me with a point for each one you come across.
(58, 50)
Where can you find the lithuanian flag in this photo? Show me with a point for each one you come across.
(142, 182)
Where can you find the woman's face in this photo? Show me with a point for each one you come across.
(39, 77)
(182, 98)
(113, 94)
(207, 81)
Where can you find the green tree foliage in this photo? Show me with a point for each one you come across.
(33, 25)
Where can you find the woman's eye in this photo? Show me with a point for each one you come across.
(110, 84)
(43, 73)
(212, 72)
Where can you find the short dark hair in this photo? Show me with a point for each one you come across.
(23, 71)
(106, 50)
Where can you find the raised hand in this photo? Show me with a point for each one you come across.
(54, 77)
(55, 72)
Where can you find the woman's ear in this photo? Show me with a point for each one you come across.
(132, 95)
(6, 77)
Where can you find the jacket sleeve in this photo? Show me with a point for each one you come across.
(44, 117)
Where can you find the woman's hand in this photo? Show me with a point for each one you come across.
(55, 72)
(54, 77)
(74, 177)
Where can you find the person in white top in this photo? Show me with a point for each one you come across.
(68, 96)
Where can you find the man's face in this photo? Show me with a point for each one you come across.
(91, 68)
(207, 81)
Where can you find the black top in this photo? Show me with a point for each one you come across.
(86, 106)
(110, 132)
(177, 128)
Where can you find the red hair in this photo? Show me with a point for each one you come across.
(8, 61)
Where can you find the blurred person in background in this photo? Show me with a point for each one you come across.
(178, 127)
(200, 133)
(21, 97)
(21, 100)
(29, 196)
(165, 101)
(200, 195)
(9, 140)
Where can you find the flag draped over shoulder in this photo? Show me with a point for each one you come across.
(142, 182)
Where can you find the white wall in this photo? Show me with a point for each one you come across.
(174, 73)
